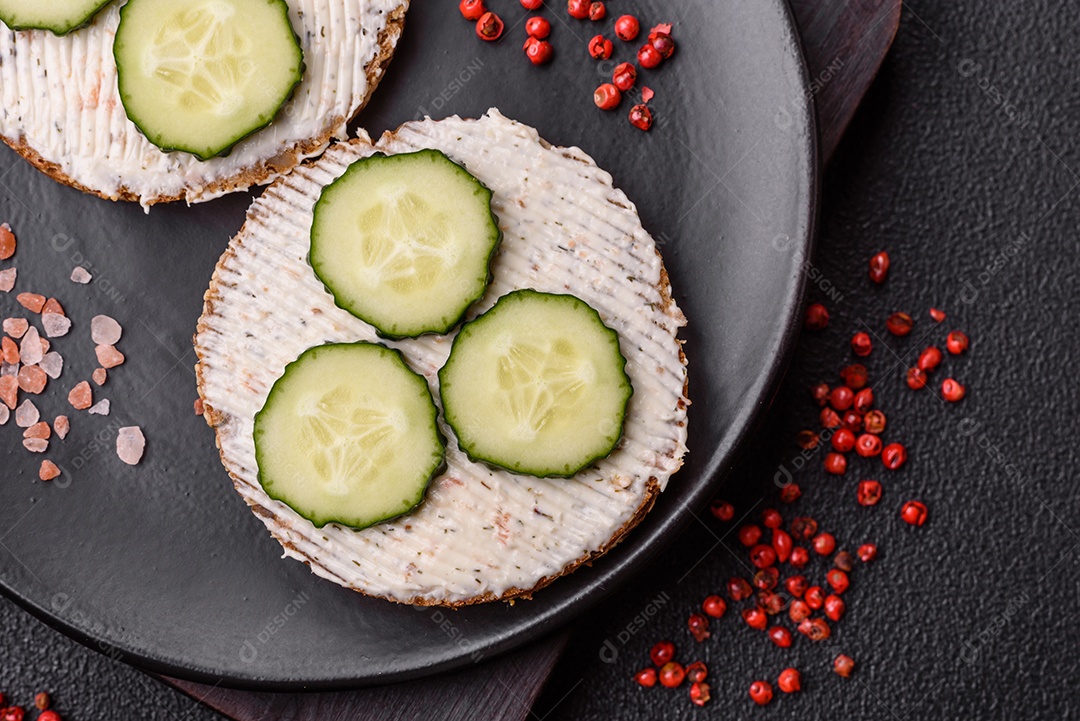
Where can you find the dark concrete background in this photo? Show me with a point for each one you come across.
(963, 165)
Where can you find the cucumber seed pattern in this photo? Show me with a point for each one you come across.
(538, 380)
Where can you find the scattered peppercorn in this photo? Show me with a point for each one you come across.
(930, 359)
(834, 607)
(804, 528)
(489, 27)
(799, 557)
(739, 589)
(472, 9)
(879, 267)
(780, 636)
(830, 418)
(937, 315)
(699, 627)
(843, 665)
(868, 445)
(714, 606)
(749, 535)
(696, 672)
(672, 674)
(868, 492)
(874, 422)
(855, 376)
(867, 552)
(836, 464)
(864, 400)
(852, 420)
(723, 510)
(755, 618)
(952, 391)
(649, 57)
(844, 561)
(771, 603)
(790, 680)
(578, 9)
(771, 518)
(641, 117)
(790, 493)
(841, 398)
(663, 44)
(893, 456)
(600, 48)
(761, 692)
(766, 578)
(837, 579)
(538, 52)
(843, 440)
(916, 378)
(607, 96)
(956, 342)
(782, 544)
(861, 345)
(538, 28)
(699, 693)
(627, 28)
(624, 76)
(597, 11)
(798, 611)
(762, 556)
(820, 393)
(913, 513)
(899, 324)
(662, 652)
(815, 629)
(41, 701)
(824, 544)
(814, 597)
(646, 677)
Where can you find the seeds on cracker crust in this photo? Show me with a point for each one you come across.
(105, 331)
(81, 397)
(130, 444)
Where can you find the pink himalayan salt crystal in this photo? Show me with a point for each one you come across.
(62, 425)
(53, 364)
(48, 471)
(101, 408)
(7, 280)
(100, 375)
(30, 349)
(105, 331)
(36, 445)
(38, 430)
(16, 327)
(130, 444)
(9, 369)
(32, 379)
(108, 356)
(80, 275)
(55, 325)
(81, 397)
(26, 414)
(5, 413)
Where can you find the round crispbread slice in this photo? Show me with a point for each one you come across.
(481, 534)
(60, 106)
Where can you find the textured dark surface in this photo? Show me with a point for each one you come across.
(164, 563)
(946, 176)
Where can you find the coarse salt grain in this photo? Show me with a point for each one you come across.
(38, 430)
(7, 242)
(105, 331)
(9, 391)
(81, 397)
(53, 364)
(5, 414)
(15, 327)
(55, 325)
(62, 425)
(26, 414)
(101, 408)
(130, 444)
(36, 445)
(108, 356)
(48, 471)
(30, 349)
(33, 302)
(100, 375)
(80, 275)
(32, 379)
(7, 279)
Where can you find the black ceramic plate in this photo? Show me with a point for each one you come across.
(163, 566)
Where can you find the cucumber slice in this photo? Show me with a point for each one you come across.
(348, 435)
(202, 75)
(536, 385)
(404, 242)
(57, 16)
